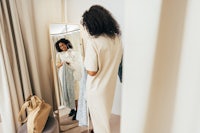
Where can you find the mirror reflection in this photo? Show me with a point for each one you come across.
(68, 71)
(68, 63)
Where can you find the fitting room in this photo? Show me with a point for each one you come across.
(160, 88)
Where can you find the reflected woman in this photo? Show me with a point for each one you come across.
(69, 71)
(103, 54)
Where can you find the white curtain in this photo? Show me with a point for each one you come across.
(25, 61)
(161, 89)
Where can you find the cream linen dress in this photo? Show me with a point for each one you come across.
(102, 54)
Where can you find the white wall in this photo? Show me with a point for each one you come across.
(1, 125)
(45, 13)
(187, 105)
(140, 36)
(162, 67)
(75, 9)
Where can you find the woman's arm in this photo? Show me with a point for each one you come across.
(91, 59)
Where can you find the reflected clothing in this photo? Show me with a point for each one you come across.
(82, 103)
(103, 55)
(67, 83)
(74, 59)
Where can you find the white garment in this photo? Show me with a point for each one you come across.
(102, 54)
(82, 103)
(74, 60)
(72, 57)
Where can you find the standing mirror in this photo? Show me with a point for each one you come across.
(66, 51)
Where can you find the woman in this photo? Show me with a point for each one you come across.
(69, 71)
(103, 55)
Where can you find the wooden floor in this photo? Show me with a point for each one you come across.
(114, 122)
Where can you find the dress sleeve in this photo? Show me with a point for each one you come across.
(91, 57)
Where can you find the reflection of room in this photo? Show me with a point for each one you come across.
(66, 88)
(70, 32)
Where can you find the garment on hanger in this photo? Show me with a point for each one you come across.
(82, 103)
(67, 83)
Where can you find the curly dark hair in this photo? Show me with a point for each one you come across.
(98, 21)
(65, 41)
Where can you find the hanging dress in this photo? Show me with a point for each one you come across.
(82, 103)
(74, 60)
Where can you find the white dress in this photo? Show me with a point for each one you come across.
(74, 59)
(102, 54)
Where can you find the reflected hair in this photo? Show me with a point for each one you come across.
(98, 21)
(64, 41)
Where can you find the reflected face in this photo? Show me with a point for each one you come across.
(62, 46)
